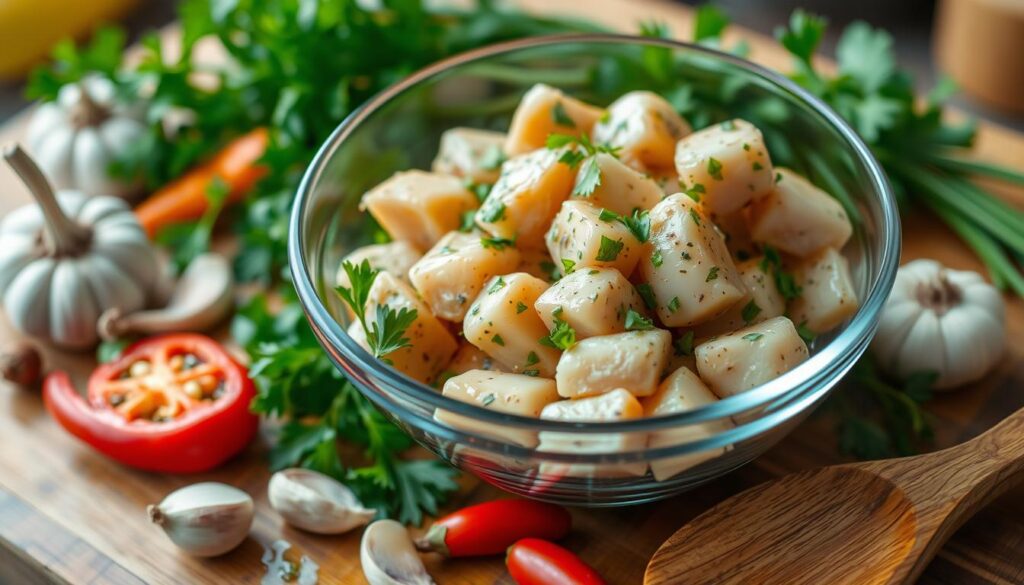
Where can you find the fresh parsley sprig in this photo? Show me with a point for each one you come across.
(638, 223)
(385, 334)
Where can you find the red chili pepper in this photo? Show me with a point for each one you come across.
(173, 403)
(490, 528)
(532, 561)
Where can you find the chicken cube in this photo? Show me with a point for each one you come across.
(543, 111)
(827, 295)
(501, 392)
(764, 301)
(526, 197)
(471, 153)
(419, 207)
(593, 301)
(645, 127)
(725, 165)
(454, 271)
(580, 239)
(799, 218)
(633, 360)
(617, 405)
(622, 189)
(431, 346)
(752, 356)
(687, 265)
(503, 323)
(680, 392)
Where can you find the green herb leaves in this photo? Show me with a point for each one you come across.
(637, 322)
(562, 336)
(588, 179)
(561, 117)
(638, 223)
(609, 249)
(784, 281)
(386, 333)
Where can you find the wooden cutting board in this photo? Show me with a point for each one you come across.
(69, 515)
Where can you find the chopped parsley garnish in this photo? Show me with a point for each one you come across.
(532, 373)
(637, 322)
(532, 358)
(638, 223)
(728, 125)
(684, 344)
(609, 249)
(468, 221)
(498, 285)
(481, 190)
(696, 191)
(493, 213)
(695, 216)
(572, 158)
(753, 336)
(673, 305)
(750, 312)
(551, 270)
(520, 307)
(496, 243)
(488, 400)
(588, 179)
(805, 333)
(492, 158)
(647, 294)
(715, 168)
(778, 177)
(712, 274)
(756, 166)
(385, 334)
(784, 281)
(497, 339)
(568, 265)
(656, 258)
(561, 117)
(563, 336)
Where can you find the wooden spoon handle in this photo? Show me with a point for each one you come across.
(949, 486)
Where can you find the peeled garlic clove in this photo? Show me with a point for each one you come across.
(315, 502)
(204, 519)
(389, 557)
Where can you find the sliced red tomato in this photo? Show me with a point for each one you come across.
(175, 403)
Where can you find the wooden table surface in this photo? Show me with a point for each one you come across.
(69, 515)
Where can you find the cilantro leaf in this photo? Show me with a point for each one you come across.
(865, 54)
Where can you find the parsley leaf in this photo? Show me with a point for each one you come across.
(715, 168)
(712, 274)
(560, 116)
(568, 265)
(562, 336)
(805, 333)
(638, 223)
(387, 330)
(609, 249)
(753, 336)
(492, 212)
(647, 294)
(750, 311)
(496, 243)
(588, 179)
(637, 322)
(684, 344)
(656, 259)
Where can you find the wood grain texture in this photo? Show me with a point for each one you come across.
(75, 492)
(879, 522)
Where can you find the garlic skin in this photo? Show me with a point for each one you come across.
(315, 502)
(205, 519)
(389, 557)
(950, 322)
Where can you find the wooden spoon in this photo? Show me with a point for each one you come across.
(867, 523)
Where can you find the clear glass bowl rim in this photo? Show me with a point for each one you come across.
(827, 362)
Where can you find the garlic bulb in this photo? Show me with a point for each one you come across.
(205, 519)
(77, 137)
(950, 322)
(315, 502)
(389, 557)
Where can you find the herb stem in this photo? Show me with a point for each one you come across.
(973, 167)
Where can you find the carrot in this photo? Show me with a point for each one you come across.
(184, 199)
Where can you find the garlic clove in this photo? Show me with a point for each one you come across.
(389, 557)
(316, 502)
(201, 298)
(205, 519)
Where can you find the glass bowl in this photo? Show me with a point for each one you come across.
(399, 129)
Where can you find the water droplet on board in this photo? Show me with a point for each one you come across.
(281, 571)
